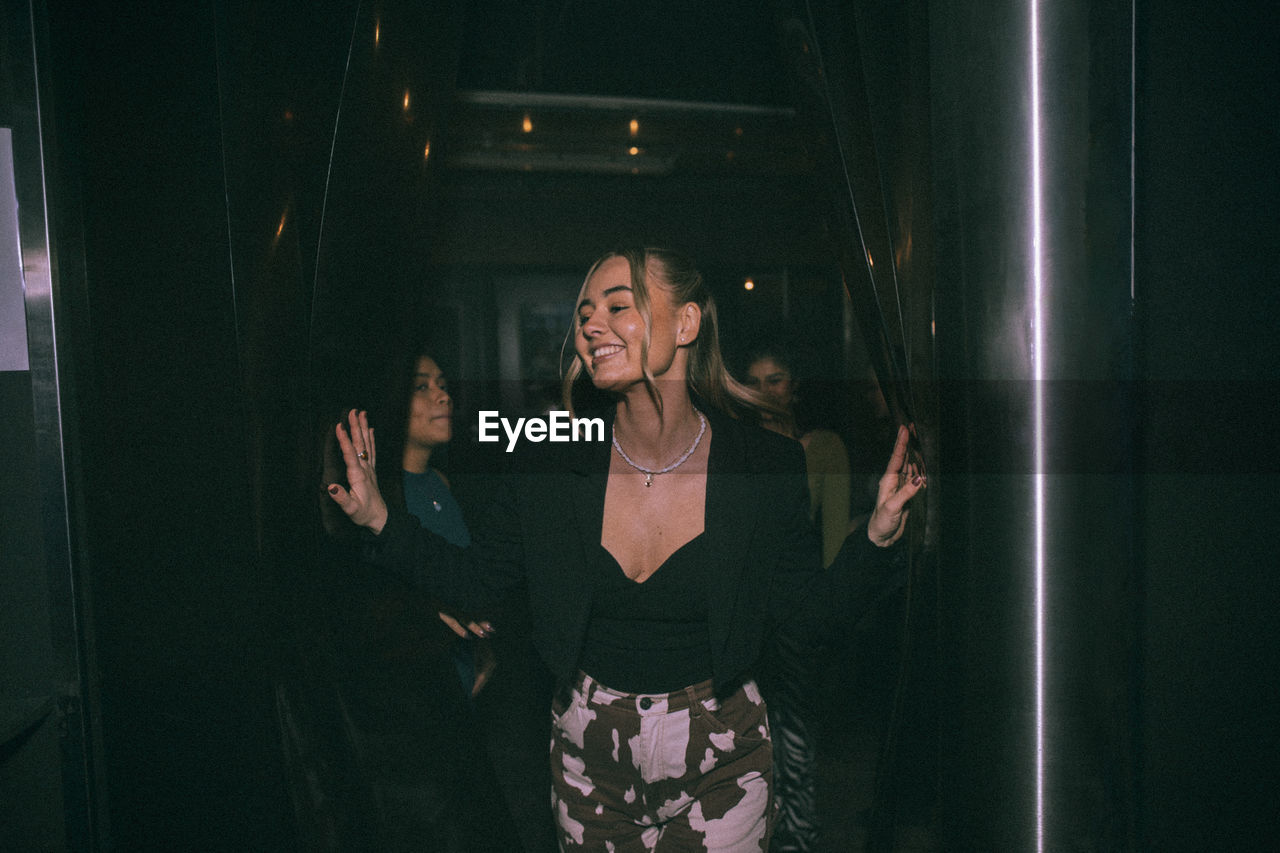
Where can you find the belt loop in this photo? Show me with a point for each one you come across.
(695, 704)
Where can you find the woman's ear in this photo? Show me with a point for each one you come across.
(690, 322)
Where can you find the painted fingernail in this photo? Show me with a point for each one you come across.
(333, 490)
(916, 480)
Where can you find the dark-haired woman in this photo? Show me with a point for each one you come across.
(413, 669)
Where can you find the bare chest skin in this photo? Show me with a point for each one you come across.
(643, 526)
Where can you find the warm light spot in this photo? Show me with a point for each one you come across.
(288, 115)
(871, 262)
(426, 150)
(635, 127)
(406, 100)
(635, 170)
(737, 131)
(280, 228)
(749, 284)
(633, 151)
(377, 33)
(527, 124)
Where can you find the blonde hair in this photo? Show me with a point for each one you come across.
(709, 379)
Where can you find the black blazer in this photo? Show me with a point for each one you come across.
(545, 520)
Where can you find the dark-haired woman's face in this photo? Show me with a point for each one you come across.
(430, 406)
(772, 380)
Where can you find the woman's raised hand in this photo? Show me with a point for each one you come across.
(899, 485)
(361, 501)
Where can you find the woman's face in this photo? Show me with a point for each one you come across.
(773, 381)
(610, 332)
(430, 406)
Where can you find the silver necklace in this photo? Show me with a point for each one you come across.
(650, 472)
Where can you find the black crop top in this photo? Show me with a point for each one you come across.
(650, 637)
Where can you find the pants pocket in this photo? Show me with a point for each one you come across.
(746, 722)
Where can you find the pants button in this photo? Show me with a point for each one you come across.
(645, 703)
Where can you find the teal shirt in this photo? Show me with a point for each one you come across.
(428, 498)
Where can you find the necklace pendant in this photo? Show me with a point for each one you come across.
(649, 472)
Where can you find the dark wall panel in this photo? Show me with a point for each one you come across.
(252, 179)
(1207, 248)
(185, 606)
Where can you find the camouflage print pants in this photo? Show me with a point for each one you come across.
(678, 771)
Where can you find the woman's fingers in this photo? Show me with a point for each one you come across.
(342, 498)
(454, 624)
(899, 451)
(359, 424)
(346, 445)
(476, 629)
(360, 500)
(357, 442)
(901, 482)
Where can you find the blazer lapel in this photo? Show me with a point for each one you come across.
(732, 507)
(732, 500)
(590, 465)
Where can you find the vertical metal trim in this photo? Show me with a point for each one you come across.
(35, 178)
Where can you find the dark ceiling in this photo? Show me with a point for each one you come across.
(579, 124)
(693, 51)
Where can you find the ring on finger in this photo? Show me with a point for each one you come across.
(362, 455)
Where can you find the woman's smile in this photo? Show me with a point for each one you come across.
(603, 352)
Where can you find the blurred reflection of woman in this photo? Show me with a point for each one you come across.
(771, 371)
(655, 564)
(789, 665)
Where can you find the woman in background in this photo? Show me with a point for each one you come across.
(771, 370)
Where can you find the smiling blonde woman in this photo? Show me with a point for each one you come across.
(655, 563)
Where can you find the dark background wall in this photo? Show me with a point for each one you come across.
(1206, 184)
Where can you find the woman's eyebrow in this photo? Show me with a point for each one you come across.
(607, 292)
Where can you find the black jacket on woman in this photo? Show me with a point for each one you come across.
(545, 521)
